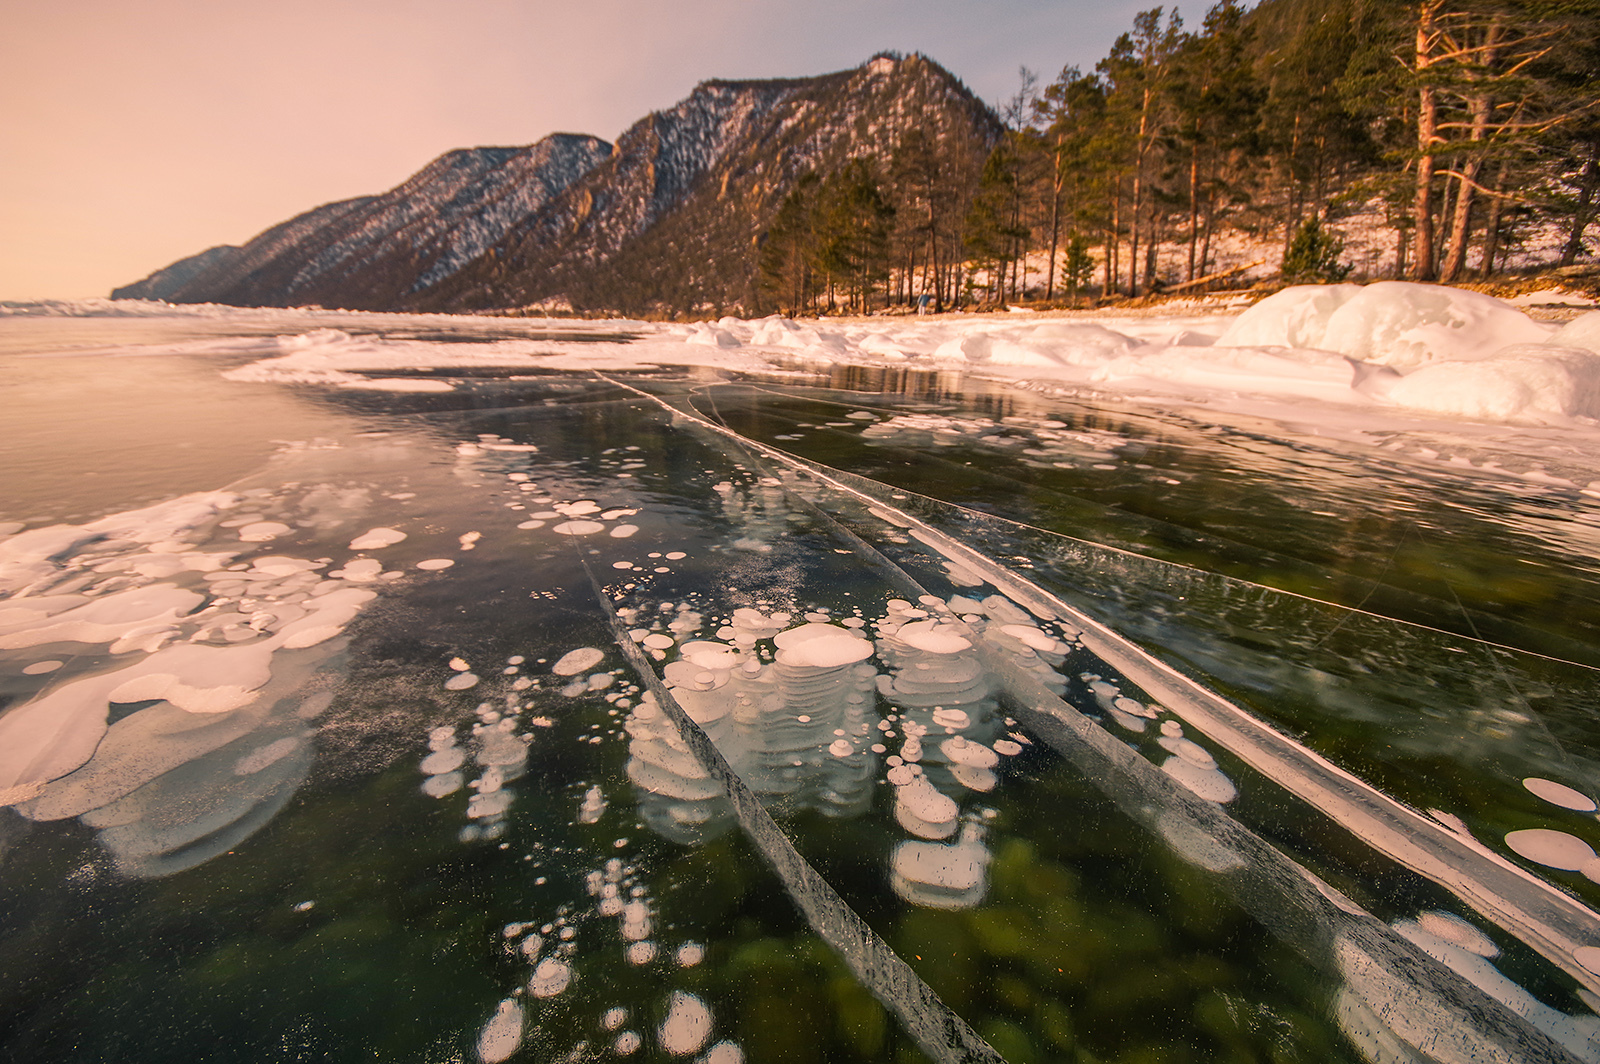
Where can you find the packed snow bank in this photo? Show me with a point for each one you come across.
(1391, 323)
(1523, 382)
(1392, 345)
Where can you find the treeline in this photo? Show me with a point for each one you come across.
(1467, 122)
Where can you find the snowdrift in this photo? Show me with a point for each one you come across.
(1385, 346)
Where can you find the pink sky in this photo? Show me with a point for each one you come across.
(136, 133)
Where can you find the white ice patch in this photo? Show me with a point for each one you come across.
(575, 661)
(822, 646)
(549, 978)
(1553, 849)
(376, 539)
(502, 1035)
(687, 1026)
(1559, 794)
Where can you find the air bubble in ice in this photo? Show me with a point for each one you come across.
(1554, 793)
(502, 1035)
(575, 661)
(687, 1026)
(1554, 849)
(550, 978)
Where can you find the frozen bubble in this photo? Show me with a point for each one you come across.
(723, 1053)
(1007, 747)
(39, 668)
(461, 681)
(359, 571)
(581, 660)
(690, 954)
(614, 1017)
(443, 784)
(1189, 750)
(305, 906)
(1553, 849)
(1458, 932)
(627, 1043)
(469, 540)
(841, 748)
(593, 806)
(459, 664)
(965, 752)
(862, 415)
(1209, 784)
(579, 528)
(532, 523)
(640, 953)
(502, 1035)
(974, 778)
(377, 538)
(823, 646)
(623, 531)
(951, 718)
(1589, 957)
(635, 921)
(1133, 724)
(446, 760)
(687, 1026)
(925, 801)
(550, 978)
(658, 641)
(1552, 792)
(263, 756)
(262, 531)
(1195, 845)
(622, 565)
(933, 637)
(487, 806)
(675, 555)
(436, 563)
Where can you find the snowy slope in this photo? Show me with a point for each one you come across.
(371, 252)
(674, 216)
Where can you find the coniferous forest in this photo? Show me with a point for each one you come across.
(1462, 129)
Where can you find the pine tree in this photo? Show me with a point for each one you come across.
(1313, 256)
(789, 248)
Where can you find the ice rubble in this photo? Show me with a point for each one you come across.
(1387, 346)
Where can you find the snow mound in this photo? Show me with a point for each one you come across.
(1390, 323)
(1523, 382)
(1583, 331)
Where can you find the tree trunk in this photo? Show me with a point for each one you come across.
(1586, 207)
(1055, 225)
(1491, 225)
(1194, 201)
(1427, 139)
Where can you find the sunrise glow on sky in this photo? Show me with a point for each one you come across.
(136, 134)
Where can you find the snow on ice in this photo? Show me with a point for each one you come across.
(1389, 346)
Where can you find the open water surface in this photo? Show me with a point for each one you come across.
(877, 717)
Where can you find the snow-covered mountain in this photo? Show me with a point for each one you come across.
(373, 252)
(672, 214)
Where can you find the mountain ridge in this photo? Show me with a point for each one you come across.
(670, 215)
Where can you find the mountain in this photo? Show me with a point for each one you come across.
(375, 252)
(671, 217)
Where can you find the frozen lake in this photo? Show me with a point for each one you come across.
(418, 689)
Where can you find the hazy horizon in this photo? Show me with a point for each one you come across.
(139, 136)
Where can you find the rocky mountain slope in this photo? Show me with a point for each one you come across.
(670, 217)
(374, 252)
